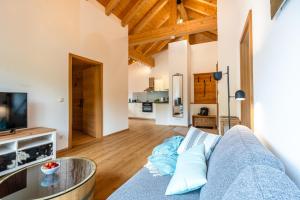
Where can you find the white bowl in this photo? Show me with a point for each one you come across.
(50, 171)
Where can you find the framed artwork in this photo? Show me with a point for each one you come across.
(276, 6)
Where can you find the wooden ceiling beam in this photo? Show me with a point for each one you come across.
(177, 30)
(140, 14)
(194, 15)
(199, 7)
(142, 58)
(212, 3)
(198, 39)
(173, 12)
(183, 12)
(214, 32)
(110, 6)
(149, 16)
(151, 48)
(184, 16)
(130, 14)
(210, 35)
(203, 38)
(162, 22)
(161, 45)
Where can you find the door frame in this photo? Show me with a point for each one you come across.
(97, 64)
(248, 29)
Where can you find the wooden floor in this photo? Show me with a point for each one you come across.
(79, 138)
(120, 156)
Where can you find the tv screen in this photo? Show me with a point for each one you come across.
(13, 111)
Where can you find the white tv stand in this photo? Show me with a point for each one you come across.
(26, 147)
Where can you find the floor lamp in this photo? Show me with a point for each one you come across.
(239, 95)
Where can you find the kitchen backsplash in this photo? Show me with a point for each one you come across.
(149, 96)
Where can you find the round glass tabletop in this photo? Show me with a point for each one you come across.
(31, 183)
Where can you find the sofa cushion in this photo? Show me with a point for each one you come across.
(190, 173)
(144, 185)
(195, 137)
(261, 182)
(238, 149)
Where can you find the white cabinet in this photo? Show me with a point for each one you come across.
(25, 148)
(135, 110)
(162, 112)
(161, 84)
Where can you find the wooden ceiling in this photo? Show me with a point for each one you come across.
(152, 24)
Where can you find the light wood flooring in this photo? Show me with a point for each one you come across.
(79, 138)
(120, 156)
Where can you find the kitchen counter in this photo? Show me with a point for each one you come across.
(162, 102)
(161, 112)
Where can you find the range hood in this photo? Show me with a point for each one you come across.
(151, 85)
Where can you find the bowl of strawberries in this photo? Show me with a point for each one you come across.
(50, 167)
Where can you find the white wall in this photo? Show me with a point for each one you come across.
(179, 62)
(204, 58)
(138, 73)
(276, 48)
(36, 38)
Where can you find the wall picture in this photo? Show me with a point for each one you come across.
(276, 6)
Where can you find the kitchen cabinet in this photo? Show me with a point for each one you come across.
(135, 110)
(161, 84)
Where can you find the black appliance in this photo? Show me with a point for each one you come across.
(147, 107)
(13, 111)
(204, 111)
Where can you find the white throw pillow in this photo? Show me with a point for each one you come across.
(190, 173)
(195, 137)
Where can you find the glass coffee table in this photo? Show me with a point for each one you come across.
(75, 179)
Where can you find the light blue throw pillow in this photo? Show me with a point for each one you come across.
(190, 173)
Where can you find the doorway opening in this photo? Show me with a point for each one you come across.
(246, 59)
(85, 100)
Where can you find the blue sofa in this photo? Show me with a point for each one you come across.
(240, 168)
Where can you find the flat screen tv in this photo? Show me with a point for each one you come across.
(13, 111)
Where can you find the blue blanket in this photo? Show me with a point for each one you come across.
(164, 156)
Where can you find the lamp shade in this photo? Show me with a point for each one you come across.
(217, 76)
(240, 95)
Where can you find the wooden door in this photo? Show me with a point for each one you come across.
(246, 59)
(91, 101)
(77, 99)
(205, 89)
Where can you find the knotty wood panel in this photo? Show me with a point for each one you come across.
(205, 89)
(77, 98)
(91, 107)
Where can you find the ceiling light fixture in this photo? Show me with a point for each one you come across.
(179, 21)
